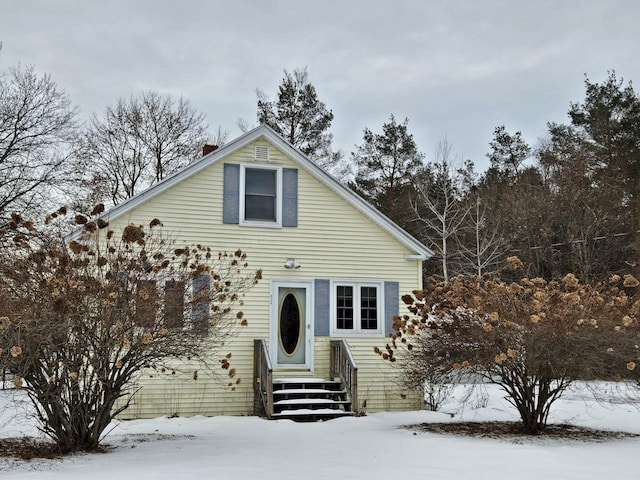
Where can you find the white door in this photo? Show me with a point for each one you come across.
(291, 344)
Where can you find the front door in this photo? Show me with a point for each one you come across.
(291, 332)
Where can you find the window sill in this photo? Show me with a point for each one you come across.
(260, 224)
(352, 334)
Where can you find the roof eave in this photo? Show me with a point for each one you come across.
(350, 196)
(271, 135)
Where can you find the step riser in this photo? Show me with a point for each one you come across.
(326, 400)
(335, 387)
(310, 417)
(300, 396)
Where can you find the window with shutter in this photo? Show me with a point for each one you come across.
(260, 195)
(357, 307)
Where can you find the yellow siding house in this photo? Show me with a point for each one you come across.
(334, 269)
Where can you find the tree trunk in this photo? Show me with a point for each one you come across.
(532, 397)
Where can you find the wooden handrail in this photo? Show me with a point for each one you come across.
(262, 377)
(344, 367)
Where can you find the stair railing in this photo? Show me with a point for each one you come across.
(262, 378)
(344, 367)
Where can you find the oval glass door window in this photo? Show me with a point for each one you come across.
(290, 324)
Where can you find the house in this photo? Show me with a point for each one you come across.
(334, 269)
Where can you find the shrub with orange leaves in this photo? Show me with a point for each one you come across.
(79, 319)
(532, 337)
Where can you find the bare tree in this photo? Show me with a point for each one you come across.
(37, 124)
(439, 208)
(137, 143)
(172, 132)
(483, 247)
(531, 337)
(79, 320)
(243, 125)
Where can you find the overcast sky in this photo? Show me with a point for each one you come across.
(454, 68)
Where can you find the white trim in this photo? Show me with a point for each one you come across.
(257, 223)
(270, 135)
(357, 284)
(308, 366)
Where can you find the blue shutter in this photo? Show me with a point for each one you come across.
(391, 305)
(322, 312)
(231, 194)
(289, 197)
(201, 301)
(174, 304)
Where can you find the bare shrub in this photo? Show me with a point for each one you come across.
(80, 318)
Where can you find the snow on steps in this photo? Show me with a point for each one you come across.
(309, 399)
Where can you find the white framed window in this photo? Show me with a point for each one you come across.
(356, 308)
(260, 195)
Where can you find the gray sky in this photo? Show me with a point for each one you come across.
(454, 68)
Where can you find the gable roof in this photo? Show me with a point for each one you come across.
(266, 132)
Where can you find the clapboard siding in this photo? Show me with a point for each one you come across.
(332, 240)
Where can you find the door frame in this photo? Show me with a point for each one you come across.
(307, 366)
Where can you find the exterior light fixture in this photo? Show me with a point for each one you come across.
(291, 263)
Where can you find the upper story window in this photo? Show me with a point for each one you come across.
(357, 308)
(260, 195)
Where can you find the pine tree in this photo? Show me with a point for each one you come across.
(609, 119)
(592, 168)
(301, 118)
(508, 152)
(387, 167)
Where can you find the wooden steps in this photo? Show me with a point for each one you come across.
(309, 399)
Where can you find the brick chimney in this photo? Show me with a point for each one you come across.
(207, 149)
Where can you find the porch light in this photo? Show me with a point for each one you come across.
(291, 263)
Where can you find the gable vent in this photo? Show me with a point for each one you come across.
(261, 153)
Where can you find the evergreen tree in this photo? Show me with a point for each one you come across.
(508, 152)
(302, 119)
(609, 119)
(388, 165)
(592, 168)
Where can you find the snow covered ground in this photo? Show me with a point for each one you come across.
(372, 447)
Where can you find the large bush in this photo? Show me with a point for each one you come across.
(79, 319)
(532, 337)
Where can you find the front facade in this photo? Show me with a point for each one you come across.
(333, 268)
